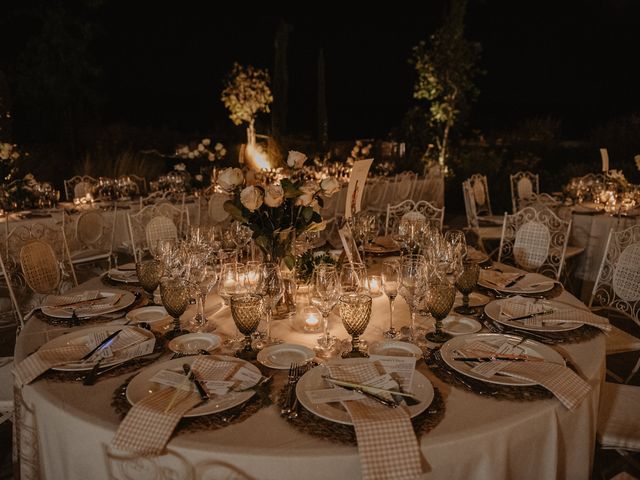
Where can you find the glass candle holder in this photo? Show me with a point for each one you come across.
(375, 285)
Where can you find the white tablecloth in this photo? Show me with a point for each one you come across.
(69, 427)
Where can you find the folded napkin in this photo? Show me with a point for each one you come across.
(147, 427)
(94, 302)
(519, 306)
(387, 444)
(497, 279)
(563, 382)
(39, 362)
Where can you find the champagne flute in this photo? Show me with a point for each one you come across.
(324, 295)
(204, 277)
(390, 280)
(353, 277)
(411, 281)
(272, 289)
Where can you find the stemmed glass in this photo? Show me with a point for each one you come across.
(231, 281)
(149, 274)
(465, 283)
(246, 310)
(240, 234)
(271, 288)
(355, 312)
(204, 277)
(353, 277)
(412, 280)
(440, 298)
(390, 281)
(324, 295)
(175, 298)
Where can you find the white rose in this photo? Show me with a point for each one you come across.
(211, 157)
(274, 196)
(296, 159)
(330, 186)
(229, 178)
(190, 155)
(309, 187)
(305, 199)
(180, 167)
(219, 146)
(223, 152)
(201, 147)
(251, 198)
(206, 142)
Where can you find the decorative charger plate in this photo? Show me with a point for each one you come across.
(193, 342)
(282, 355)
(529, 347)
(141, 386)
(151, 314)
(126, 299)
(531, 283)
(312, 380)
(493, 311)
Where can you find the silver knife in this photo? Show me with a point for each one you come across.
(192, 377)
(515, 280)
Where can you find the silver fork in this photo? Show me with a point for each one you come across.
(288, 401)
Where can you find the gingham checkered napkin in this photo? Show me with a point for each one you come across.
(39, 362)
(497, 279)
(518, 306)
(563, 382)
(147, 427)
(94, 303)
(387, 444)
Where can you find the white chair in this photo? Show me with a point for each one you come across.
(138, 181)
(78, 186)
(90, 235)
(375, 193)
(479, 193)
(156, 222)
(535, 240)
(617, 291)
(484, 234)
(523, 186)
(434, 214)
(395, 213)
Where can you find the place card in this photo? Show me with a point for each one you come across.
(399, 368)
(489, 369)
(357, 181)
(328, 395)
(349, 244)
(604, 154)
(172, 379)
(246, 377)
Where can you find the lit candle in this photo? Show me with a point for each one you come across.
(312, 319)
(375, 286)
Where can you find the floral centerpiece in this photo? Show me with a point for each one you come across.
(202, 150)
(277, 212)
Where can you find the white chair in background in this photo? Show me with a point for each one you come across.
(479, 195)
(535, 240)
(433, 214)
(396, 212)
(523, 185)
(485, 234)
(90, 235)
(616, 292)
(156, 222)
(78, 186)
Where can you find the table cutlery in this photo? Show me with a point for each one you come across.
(515, 280)
(490, 359)
(289, 391)
(530, 315)
(263, 380)
(343, 383)
(471, 384)
(91, 377)
(192, 377)
(361, 390)
(102, 344)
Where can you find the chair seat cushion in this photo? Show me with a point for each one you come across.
(619, 417)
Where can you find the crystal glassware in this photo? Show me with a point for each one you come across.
(175, 299)
(325, 290)
(440, 298)
(353, 277)
(204, 278)
(149, 274)
(231, 281)
(390, 281)
(271, 287)
(412, 280)
(465, 283)
(246, 310)
(355, 312)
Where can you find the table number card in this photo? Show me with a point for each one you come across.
(349, 243)
(604, 154)
(357, 180)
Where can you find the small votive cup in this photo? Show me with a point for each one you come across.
(375, 285)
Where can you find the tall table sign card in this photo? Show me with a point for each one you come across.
(357, 181)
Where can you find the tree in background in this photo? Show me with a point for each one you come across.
(247, 93)
(446, 65)
(280, 81)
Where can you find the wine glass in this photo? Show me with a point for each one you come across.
(457, 240)
(231, 281)
(240, 235)
(175, 298)
(390, 281)
(324, 295)
(149, 274)
(353, 277)
(412, 280)
(204, 277)
(271, 288)
(440, 297)
(253, 275)
(355, 312)
(246, 310)
(465, 283)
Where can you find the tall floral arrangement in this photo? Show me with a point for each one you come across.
(277, 212)
(247, 93)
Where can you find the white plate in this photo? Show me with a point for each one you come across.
(124, 276)
(476, 255)
(335, 412)
(192, 342)
(141, 386)
(131, 266)
(125, 300)
(79, 337)
(529, 347)
(152, 314)
(395, 348)
(281, 356)
(455, 325)
(493, 311)
(531, 283)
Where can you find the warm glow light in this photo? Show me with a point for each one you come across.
(256, 158)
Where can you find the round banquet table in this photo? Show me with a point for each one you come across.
(65, 428)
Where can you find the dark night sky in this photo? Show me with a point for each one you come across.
(163, 64)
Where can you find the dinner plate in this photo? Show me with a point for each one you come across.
(281, 356)
(126, 298)
(455, 325)
(141, 386)
(531, 283)
(529, 347)
(192, 342)
(395, 348)
(127, 267)
(476, 299)
(79, 337)
(493, 311)
(476, 255)
(124, 276)
(335, 412)
(152, 314)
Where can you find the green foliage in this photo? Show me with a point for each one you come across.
(446, 66)
(308, 261)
